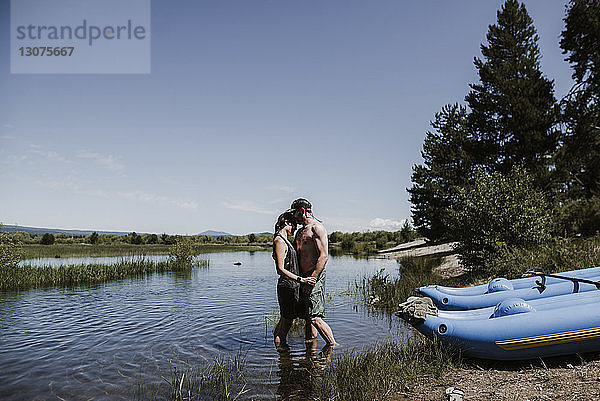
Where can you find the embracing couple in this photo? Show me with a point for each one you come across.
(301, 269)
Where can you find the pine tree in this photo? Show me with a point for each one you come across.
(513, 109)
(579, 157)
(446, 167)
(93, 238)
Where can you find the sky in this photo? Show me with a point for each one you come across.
(248, 105)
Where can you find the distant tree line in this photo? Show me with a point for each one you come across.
(514, 166)
(136, 239)
(365, 243)
(358, 243)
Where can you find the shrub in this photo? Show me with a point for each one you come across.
(47, 239)
(182, 253)
(151, 239)
(168, 239)
(135, 239)
(10, 251)
(580, 216)
(553, 256)
(93, 238)
(498, 211)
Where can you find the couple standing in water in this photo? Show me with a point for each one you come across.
(301, 269)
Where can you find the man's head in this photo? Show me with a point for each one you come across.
(301, 209)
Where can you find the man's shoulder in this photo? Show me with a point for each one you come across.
(318, 228)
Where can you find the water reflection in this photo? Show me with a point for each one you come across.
(298, 371)
(102, 341)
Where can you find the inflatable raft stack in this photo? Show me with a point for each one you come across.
(538, 316)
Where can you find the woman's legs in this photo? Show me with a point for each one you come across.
(287, 310)
(281, 331)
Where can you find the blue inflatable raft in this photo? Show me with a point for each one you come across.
(516, 329)
(499, 289)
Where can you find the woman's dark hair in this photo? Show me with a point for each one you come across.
(286, 217)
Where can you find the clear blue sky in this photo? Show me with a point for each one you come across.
(249, 104)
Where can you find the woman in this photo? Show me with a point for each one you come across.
(288, 285)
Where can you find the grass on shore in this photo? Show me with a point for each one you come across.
(373, 373)
(383, 370)
(26, 277)
(223, 378)
(385, 293)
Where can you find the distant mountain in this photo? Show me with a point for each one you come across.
(41, 231)
(263, 233)
(212, 233)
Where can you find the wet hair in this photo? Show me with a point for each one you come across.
(283, 219)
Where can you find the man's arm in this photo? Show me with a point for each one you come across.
(322, 243)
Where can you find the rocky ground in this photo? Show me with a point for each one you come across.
(568, 378)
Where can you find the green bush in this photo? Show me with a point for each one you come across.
(93, 238)
(168, 239)
(150, 239)
(497, 212)
(47, 239)
(578, 217)
(135, 239)
(182, 253)
(10, 251)
(553, 256)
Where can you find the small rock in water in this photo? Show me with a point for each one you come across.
(238, 263)
(57, 256)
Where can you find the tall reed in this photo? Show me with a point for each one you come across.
(380, 371)
(13, 277)
(222, 378)
(385, 292)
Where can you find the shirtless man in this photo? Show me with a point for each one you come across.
(312, 248)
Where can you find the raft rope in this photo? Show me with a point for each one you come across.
(574, 280)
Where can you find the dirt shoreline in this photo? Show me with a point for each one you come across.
(568, 378)
(450, 267)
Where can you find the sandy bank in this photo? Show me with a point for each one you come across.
(450, 266)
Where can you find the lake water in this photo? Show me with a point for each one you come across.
(100, 342)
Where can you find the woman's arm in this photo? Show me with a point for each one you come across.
(280, 252)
